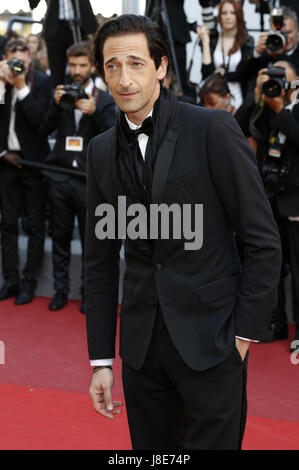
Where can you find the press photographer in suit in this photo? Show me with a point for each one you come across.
(188, 313)
(78, 112)
(286, 49)
(271, 117)
(66, 22)
(26, 98)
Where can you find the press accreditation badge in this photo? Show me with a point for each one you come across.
(275, 150)
(75, 144)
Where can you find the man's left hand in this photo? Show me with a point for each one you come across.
(86, 106)
(277, 104)
(242, 347)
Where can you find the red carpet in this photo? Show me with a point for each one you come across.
(45, 380)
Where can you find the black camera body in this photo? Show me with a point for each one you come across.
(73, 93)
(277, 40)
(275, 175)
(16, 66)
(273, 87)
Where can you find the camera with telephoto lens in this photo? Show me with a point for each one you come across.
(273, 87)
(277, 40)
(16, 66)
(73, 93)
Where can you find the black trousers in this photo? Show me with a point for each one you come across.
(21, 188)
(293, 238)
(67, 199)
(171, 406)
(57, 47)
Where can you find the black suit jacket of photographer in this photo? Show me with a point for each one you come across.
(88, 21)
(255, 64)
(286, 122)
(205, 299)
(63, 120)
(29, 112)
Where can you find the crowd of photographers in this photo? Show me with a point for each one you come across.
(255, 80)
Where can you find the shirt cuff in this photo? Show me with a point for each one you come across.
(3, 153)
(22, 93)
(246, 339)
(101, 362)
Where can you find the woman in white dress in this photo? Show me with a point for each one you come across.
(228, 51)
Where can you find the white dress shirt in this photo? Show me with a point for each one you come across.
(13, 143)
(66, 11)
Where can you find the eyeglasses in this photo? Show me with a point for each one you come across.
(18, 48)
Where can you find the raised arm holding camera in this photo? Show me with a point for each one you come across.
(78, 112)
(271, 116)
(281, 43)
(25, 100)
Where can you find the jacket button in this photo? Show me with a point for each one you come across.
(158, 267)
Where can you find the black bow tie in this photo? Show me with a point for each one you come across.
(146, 128)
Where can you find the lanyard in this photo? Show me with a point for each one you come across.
(225, 66)
(30, 81)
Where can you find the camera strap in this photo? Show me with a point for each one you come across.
(96, 95)
(225, 66)
(30, 81)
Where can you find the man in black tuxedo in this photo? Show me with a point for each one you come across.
(66, 22)
(184, 370)
(25, 101)
(76, 124)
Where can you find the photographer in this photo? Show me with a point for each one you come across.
(26, 97)
(271, 116)
(78, 112)
(268, 49)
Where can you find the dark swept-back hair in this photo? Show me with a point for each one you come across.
(130, 24)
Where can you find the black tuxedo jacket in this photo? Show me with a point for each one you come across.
(88, 20)
(206, 297)
(89, 126)
(29, 112)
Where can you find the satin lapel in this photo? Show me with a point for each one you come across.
(110, 178)
(162, 166)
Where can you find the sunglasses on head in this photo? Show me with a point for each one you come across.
(18, 48)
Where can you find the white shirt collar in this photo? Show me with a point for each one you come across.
(134, 126)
